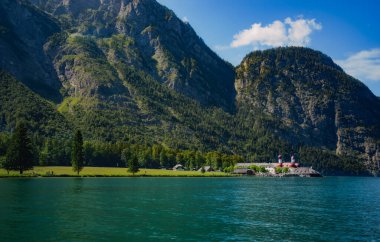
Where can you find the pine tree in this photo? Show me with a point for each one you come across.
(133, 165)
(20, 152)
(77, 155)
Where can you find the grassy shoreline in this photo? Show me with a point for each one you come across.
(66, 171)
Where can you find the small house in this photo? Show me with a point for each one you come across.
(178, 167)
(207, 169)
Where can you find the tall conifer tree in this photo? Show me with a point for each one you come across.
(133, 165)
(77, 155)
(20, 152)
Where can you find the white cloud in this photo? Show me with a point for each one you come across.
(364, 65)
(300, 30)
(278, 33)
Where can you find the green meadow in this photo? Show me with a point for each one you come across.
(66, 171)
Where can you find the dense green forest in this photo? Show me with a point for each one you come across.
(56, 152)
(53, 152)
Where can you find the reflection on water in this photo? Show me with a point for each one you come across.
(77, 185)
(194, 209)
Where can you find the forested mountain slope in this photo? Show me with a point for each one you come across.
(18, 102)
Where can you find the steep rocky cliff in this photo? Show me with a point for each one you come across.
(159, 43)
(308, 99)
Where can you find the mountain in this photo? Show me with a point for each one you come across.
(308, 99)
(131, 71)
(106, 90)
(153, 39)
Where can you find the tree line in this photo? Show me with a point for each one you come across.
(19, 152)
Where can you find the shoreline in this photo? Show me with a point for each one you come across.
(114, 172)
(152, 176)
(126, 176)
(66, 171)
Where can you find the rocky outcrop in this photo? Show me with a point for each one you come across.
(167, 48)
(311, 100)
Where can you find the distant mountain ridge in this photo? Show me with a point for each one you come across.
(130, 70)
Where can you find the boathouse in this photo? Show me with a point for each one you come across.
(244, 171)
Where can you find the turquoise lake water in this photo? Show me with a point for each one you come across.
(190, 209)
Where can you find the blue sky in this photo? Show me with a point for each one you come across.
(348, 31)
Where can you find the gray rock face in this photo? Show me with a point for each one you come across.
(23, 32)
(168, 49)
(311, 99)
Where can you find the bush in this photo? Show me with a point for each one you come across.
(278, 170)
(254, 168)
(282, 170)
(262, 169)
(229, 169)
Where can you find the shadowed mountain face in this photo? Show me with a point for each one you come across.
(158, 43)
(23, 32)
(310, 100)
(123, 70)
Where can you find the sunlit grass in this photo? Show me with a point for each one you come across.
(107, 172)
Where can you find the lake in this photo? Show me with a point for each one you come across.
(190, 209)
